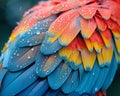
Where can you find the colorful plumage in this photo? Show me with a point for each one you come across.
(63, 48)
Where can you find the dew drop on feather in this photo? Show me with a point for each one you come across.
(28, 57)
(17, 54)
(32, 49)
(96, 89)
(37, 32)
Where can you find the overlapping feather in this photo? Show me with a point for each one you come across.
(63, 44)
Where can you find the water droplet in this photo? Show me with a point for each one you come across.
(32, 49)
(23, 40)
(36, 28)
(28, 57)
(21, 66)
(37, 71)
(47, 71)
(17, 66)
(30, 44)
(28, 32)
(96, 89)
(36, 42)
(14, 53)
(28, 41)
(17, 54)
(37, 32)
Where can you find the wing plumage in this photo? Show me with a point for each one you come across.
(63, 47)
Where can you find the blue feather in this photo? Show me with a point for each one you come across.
(1, 57)
(46, 64)
(60, 94)
(88, 79)
(93, 77)
(73, 65)
(7, 53)
(99, 82)
(39, 89)
(28, 89)
(22, 57)
(59, 76)
(2, 74)
(50, 48)
(5, 60)
(74, 94)
(51, 92)
(71, 83)
(10, 77)
(81, 72)
(20, 83)
(111, 74)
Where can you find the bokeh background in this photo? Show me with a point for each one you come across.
(11, 12)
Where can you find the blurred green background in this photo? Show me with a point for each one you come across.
(11, 12)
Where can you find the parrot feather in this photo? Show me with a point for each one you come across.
(48, 48)
(70, 33)
(9, 78)
(110, 76)
(59, 76)
(88, 62)
(99, 82)
(20, 81)
(105, 13)
(88, 11)
(28, 89)
(22, 57)
(51, 93)
(2, 74)
(86, 29)
(46, 64)
(60, 24)
(93, 79)
(74, 60)
(88, 77)
(71, 83)
(97, 41)
(89, 44)
(63, 48)
(100, 23)
(106, 36)
(39, 89)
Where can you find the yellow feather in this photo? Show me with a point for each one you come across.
(117, 42)
(100, 59)
(65, 52)
(75, 58)
(106, 40)
(97, 47)
(88, 59)
(89, 44)
(107, 54)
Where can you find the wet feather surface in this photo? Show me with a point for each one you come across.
(62, 47)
